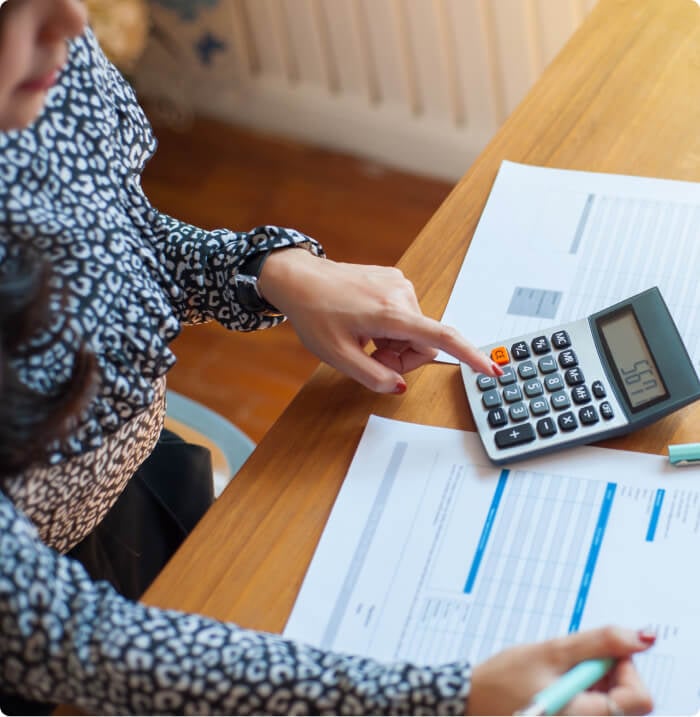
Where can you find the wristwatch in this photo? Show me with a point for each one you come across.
(248, 290)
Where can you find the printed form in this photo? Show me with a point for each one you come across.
(554, 246)
(432, 554)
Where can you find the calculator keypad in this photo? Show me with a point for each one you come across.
(543, 392)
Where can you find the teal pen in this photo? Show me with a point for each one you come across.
(551, 699)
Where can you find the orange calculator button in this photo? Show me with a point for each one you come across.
(500, 355)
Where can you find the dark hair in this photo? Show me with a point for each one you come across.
(29, 420)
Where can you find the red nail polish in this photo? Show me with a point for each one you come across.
(400, 387)
(497, 369)
(648, 637)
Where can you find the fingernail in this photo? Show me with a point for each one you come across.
(400, 387)
(647, 636)
(497, 369)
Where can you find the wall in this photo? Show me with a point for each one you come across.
(418, 84)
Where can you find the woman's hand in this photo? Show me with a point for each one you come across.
(508, 681)
(336, 309)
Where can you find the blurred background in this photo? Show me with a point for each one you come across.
(349, 120)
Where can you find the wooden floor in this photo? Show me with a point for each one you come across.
(215, 176)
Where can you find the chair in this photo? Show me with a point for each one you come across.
(229, 446)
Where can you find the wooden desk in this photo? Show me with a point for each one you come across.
(623, 96)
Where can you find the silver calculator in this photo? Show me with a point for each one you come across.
(609, 374)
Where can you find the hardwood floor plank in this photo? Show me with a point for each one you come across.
(214, 175)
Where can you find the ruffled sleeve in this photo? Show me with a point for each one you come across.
(67, 639)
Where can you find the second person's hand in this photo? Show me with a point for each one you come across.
(337, 309)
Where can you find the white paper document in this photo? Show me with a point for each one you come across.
(432, 554)
(554, 246)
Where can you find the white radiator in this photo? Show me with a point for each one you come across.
(418, 84)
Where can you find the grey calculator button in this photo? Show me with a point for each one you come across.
(568, 358)
(527, 370)
(598, 389)
(606, 411)
(508, 375)
(515, 435)
(518, 412)
(547, 364)
(546, 427)
(554, 382)
(560, 400)
(588, 415)
(561, 340)
(497, 417)
(512, 393)
(533, 387)
(567, 421)
(520, 351)
(485, 382)
(580, 394)
(491, 398)
(574, 376)
(539, 406)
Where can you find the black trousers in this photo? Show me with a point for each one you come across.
(159, 507)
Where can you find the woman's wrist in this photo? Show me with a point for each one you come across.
(283, 274)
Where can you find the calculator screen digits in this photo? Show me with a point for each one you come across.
(637, 373)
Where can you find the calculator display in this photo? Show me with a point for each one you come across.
(626, 346)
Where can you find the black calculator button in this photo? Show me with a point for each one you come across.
(606, 411)
(518, 412)
(533, 387)
(539, 406)
(520, 351)
(497, 417)
(485, 382)
(560, 400)
(598, 389)
(508, 376)
(491, 399)
(574, 376)
(567, 421)
(515, 435)
(561, 340)
(580, 394)
(588, 415)
(568, 358)
(512, 393)
(527, 370)
(546, 427)
(547, 364)
(540, 345)
(553, 383)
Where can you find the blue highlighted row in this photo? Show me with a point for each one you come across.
(655, 513)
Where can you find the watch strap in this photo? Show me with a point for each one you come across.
(248, 289)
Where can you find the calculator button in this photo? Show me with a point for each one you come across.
(527, 370)
(508, 376)
(560, 400)
(512, 393)
(568, 358)
(539, 406)
(533, 387)
(561, 340)
(553, 382)
(598, 389)
(580, 394)
(588, 415)
(518, 412)
(500, 355)
(547, 364)
(540, 345)
(574, 376)
(567, 421)
(497, 417)
(606, 411)
(546, 427)
(491, 398)
(514, 436)
(485, 382)
(520, 351)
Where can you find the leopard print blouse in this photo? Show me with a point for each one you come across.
(70, 188)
